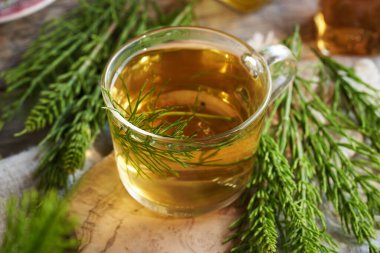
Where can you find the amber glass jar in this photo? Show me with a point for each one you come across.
(348, 26)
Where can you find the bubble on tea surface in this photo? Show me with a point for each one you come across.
(253, 65)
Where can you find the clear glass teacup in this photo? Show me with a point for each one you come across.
(186, 107)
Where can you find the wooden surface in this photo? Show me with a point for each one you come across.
(111, 221)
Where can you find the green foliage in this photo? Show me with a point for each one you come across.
(60, 54)
(279, 208)
(310, 160)
(38, 223)
(63, 67)
(142, 151)
(68, 140)
(362, 105)
(339, 177)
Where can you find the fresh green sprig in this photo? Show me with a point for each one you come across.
(336, 174)
(315, 138)
(63, 68)
(275, 194)
(363, 105)
(307, 233)
(326, 139)
(51, 60)
(55, 99)
(287, 188)
(256, 229)
(38, 223)
(65, 146)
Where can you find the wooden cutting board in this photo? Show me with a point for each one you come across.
(112, 221)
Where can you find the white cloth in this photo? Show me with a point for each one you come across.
(16, 175)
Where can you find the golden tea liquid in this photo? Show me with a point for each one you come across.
(215, 93)
(246, 5)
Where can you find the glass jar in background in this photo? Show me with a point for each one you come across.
(246, 5)
(348, 26)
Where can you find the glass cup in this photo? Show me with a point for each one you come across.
(191, 176)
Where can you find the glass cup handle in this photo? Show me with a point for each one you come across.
(283, 67)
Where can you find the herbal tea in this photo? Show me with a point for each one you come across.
(188, 92)
(246, 5)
